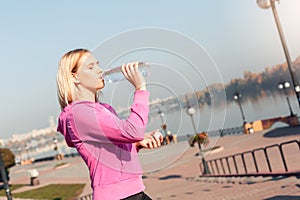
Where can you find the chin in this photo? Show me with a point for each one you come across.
(99, 88)
(100, 85)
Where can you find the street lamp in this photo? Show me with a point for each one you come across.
(237, 96)
(163, 124)
(20, 154)
(191, 111)
(55, 146)
(27, 151)
(265, 4)
(283, 86)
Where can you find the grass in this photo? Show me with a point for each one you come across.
(11, 188)
(50, 192)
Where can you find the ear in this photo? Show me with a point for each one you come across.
(75, 78)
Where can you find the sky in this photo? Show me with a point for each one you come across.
(234, 35)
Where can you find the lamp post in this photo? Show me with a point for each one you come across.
(27, 151)
(163, 124)
(237, 96)
(191, 111)
(283, 86)
(20, 154)
(55, 146)
(265, 4)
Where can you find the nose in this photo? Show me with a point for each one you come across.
(100, 70)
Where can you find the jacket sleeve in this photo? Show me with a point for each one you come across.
(99, 124)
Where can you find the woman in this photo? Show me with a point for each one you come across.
(107, 144)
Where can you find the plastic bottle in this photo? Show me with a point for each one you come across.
(115, 74)
(157, 135)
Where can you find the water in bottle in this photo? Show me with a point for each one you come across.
(115, 74)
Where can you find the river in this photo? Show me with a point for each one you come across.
(209, 118)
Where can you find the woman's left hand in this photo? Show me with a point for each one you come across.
(150, 141)
(134, 76)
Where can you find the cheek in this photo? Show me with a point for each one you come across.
(89, 80)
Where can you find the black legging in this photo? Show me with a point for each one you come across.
(138, 196)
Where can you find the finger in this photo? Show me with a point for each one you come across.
(157, 137)
(150, 145)
(154, 143)
(132, 65)
(127, 67)
(158, 143)
(132, 69)
(136, 66)
(161, 138)
(124, 70)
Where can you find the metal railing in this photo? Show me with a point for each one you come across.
(227, 131)
(271, 159)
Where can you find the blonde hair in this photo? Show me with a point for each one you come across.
(68, 65)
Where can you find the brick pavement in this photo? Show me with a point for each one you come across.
(180, 181)
(172, 172)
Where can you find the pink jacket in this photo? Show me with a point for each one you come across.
(105, 143)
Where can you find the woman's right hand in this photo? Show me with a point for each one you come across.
(134, 76)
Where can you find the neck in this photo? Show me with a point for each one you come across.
(84, 94)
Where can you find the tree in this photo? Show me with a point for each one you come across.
(8, 160)
(200, 138)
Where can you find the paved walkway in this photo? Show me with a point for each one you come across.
(180, 180)
(172, 172)
(73, 171)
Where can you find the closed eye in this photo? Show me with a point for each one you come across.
(93, 65)
(90, 66)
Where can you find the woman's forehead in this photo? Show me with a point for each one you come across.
(88, 58)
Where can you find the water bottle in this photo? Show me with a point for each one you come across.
(157, 135)
(115, 74)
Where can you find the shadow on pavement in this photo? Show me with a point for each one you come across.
(175, 176)
(283, 197)
(284, 131)
(170, 177)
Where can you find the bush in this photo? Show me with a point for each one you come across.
(8, 160)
